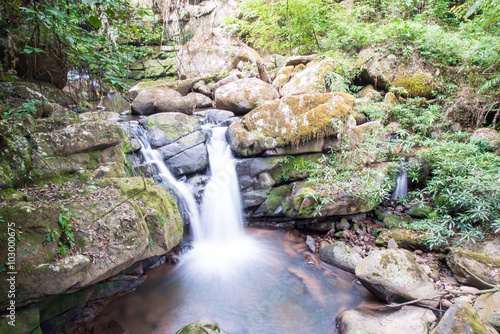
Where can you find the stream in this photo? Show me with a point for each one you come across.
(247, 280)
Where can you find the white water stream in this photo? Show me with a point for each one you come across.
(246, 284)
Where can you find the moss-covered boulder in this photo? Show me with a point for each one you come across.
(488, 308)
(394, 276)
(462, 318)
(299, 118)
(384, 70)
(408, 319)
(112, 224)
(26, 320)
(405, 238)
(166, 128)
(201, 327)
(243, 95)
(310, 80)
(340, 255)
(181, 86)
(424, 211)
(274, 203)
(478, 270)
(396, 221)
(283, 76)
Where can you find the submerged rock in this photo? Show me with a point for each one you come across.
(394, 276)
(341, 256)
(408, 320)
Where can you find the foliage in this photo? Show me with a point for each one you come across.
(81, 34)
(66, 237)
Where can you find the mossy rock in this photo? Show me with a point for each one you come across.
(425, 211)
(201, 327)
(478, 270)
(294, 168)
(397, 221)
(461, 318)
(166, 128)
(26, 321)
(419, 83)
(405, 238)
(274, 201)
(133, 217)
(299, 118)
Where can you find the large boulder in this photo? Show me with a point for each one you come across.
(310, 80)
(181, 86)
(153, 101)
(408, 320)
(462, 318)
(478, 270)
(488, 308)
(384, 70)
(108, 226)
(166, 128)
(341, 256)
(297, 119)
(394, 276)
(243, 95)
(210, 54)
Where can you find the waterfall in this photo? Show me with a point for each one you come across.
(401, 183)
(153, 156)
(222, 217)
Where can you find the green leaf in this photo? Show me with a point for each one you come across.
(110, 13)
(135, 29)
(57, 12)
(91, 2)
(95, 22)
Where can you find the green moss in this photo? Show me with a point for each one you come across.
(417, 84)
(396, 221)
(467, 319)
(296, 119)
(27, 321)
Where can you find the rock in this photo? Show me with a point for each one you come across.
(478, 270)
(227, 80)
(489, 136)
(209, 54)
(310, 80)
(385, 70)
(294, 168)
(391, 244)
(341, 256)
(182, 144)
(215, 115)
(189, 161)
(253, 198)
(183, 87)
(41, 91)
(144, 222)
(297, 60)
(201, 327)
(299, 118)
(463, 319)
(304, 199)
(408, 319)
(343, 224)
(358, 134)
(390, 101)
(394, 276)
(282, 77)
(310, 243)
(25, 320)
(370, 93)
(421, 212)
(488, 308)
(405, 238)
(166, 128)
(243, 95)
(48, 67)
(396, 221)
(273, 205)
(487, 246)
(154, 101)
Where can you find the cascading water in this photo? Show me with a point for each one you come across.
(401, 183)
(154, 157)
(247, 285)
